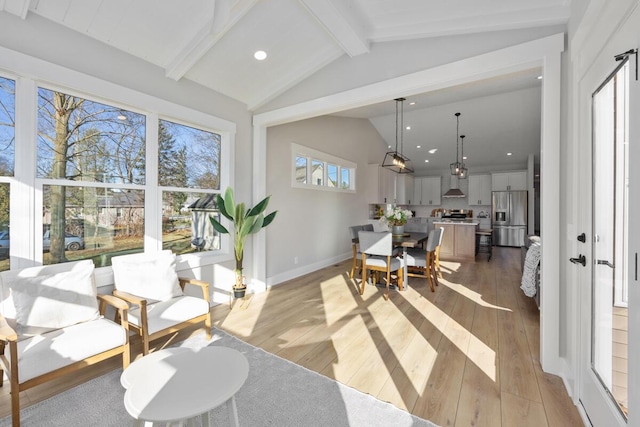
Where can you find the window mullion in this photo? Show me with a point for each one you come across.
(23, 188)
(152, 195)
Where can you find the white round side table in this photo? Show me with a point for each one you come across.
(179, 384)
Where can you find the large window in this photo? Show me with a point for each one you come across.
(7, 161)
(188, 159)
(108, 179)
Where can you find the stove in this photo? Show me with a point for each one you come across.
(455, 214)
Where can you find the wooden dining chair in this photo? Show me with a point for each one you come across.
(438, 253)
(422, 262)
(355, 246)
(377, 255)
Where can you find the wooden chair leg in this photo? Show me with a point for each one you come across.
(429, 269)
(386, 295)
(438, 262)
(364, 274)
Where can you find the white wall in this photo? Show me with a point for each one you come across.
(312, 225)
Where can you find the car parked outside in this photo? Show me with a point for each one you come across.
(71, 242)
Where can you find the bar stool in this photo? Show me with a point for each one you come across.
(484, 242)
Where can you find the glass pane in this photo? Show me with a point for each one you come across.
(97, 223)
(7, 126)
(186, 226)
(188, 157)
(4, 227)
(609, 356)
(82, 140)
(332, 175)
(317, 172)
(345, 179)
(301, 170)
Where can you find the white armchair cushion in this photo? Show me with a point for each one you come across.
(151, 276)
(55, 300)
(165, 314)
(47, 352)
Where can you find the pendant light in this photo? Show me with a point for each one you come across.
(396, 160)
(456, 166)
(462, 174)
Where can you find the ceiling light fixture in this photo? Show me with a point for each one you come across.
(396, 160)
(433, 150)
(418, 146)
(260, 55)
(455, 166)
(462, 173)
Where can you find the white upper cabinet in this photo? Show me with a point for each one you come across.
(404, 189)
(417, 192)
(509, 181)
(382, 184)
(431, 190)
(480, 189)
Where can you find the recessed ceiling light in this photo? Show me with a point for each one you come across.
(433, 150)
(539, 77)
(412, 103)
(260, 55)
(388, 146)
(509, 154)
(418, 146)
(426, 161)
(464, 158)
(408, 128)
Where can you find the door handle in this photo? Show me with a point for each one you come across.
(605, 262)
(580, 260)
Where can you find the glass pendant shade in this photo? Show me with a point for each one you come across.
(463, 171)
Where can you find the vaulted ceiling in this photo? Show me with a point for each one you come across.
(212, 42)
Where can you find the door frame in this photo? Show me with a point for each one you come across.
(593, 48)
(545, 53)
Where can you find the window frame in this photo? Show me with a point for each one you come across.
(26, 189)
(312, 156)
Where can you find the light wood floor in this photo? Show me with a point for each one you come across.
(465, 355)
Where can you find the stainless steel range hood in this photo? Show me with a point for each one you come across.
(454, 191)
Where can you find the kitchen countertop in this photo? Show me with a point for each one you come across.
(463, 222)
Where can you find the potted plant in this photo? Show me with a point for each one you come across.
(245, 222)
(396, 218)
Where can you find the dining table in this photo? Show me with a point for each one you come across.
(405, 241)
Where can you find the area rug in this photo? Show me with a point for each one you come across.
(276, 393)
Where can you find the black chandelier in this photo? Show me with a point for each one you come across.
(395, 160)
(457, 165)
(463, 172)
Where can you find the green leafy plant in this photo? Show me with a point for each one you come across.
(245, 222)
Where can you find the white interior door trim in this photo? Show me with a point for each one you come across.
(546, 53)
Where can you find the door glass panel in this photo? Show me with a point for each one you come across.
(610, 204)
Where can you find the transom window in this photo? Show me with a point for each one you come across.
(316, 170)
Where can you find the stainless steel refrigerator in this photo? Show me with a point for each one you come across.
(509, 217)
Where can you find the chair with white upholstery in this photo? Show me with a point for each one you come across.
(52, 324)
(422, 262)
(378, 255)
(150, 284)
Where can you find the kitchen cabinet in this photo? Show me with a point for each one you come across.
(458, 241)
(480, 189)
(381, 184)
(509, 181)
(427, 191)
(404, 189)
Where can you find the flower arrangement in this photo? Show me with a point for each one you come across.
(396, 216)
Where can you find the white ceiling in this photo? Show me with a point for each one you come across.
(212, 42)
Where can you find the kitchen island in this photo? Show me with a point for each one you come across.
(458, 240)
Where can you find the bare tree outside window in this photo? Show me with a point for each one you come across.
(83, 140)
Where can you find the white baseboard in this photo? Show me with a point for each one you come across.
(305, 269)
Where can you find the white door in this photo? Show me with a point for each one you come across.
(609, 374)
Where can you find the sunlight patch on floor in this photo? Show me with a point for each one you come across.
(483, 356)
(468, 293)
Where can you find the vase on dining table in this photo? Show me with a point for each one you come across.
(397, 230)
